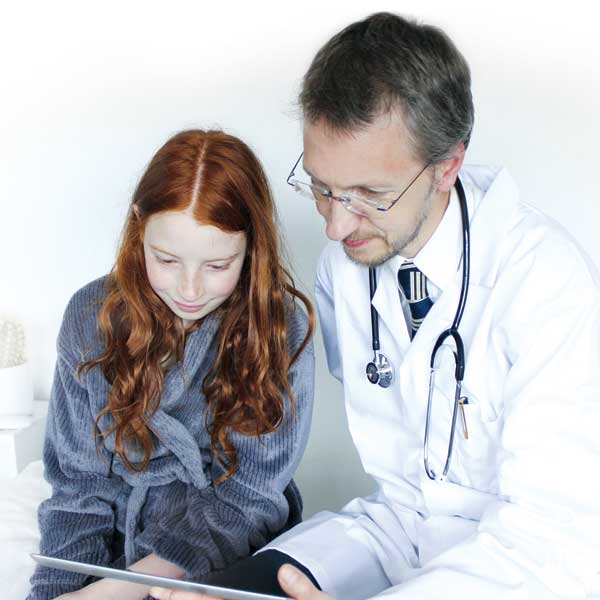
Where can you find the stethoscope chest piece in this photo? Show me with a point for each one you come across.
(380, 371)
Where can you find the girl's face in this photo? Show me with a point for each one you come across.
(192, 268)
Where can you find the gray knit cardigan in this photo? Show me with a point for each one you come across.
(101, 513)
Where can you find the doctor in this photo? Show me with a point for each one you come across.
(388, 115)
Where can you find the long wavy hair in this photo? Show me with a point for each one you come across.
(221, 178)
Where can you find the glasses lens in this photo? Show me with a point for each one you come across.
(303, 188)
(362, 206)
(442, 390)
(356, 203)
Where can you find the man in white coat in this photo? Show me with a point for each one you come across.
(388, 114)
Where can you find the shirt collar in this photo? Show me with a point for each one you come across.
(439, 259)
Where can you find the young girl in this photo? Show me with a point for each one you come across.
(183, 391)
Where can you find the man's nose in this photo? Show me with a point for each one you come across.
(340, 222)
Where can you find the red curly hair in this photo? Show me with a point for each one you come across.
(245, 388)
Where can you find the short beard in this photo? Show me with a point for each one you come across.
(397, 246)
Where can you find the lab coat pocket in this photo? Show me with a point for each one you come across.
(477, 443)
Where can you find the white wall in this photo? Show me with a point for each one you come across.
(89, 91)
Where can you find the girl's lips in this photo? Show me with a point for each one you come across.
(189, 309)
(355, 243)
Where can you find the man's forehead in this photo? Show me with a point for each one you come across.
(353, 157)
(390, 122)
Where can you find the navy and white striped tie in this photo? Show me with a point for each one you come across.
(414, 286)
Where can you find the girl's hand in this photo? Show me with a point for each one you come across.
(108, 589)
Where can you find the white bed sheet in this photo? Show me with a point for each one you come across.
(19, 533)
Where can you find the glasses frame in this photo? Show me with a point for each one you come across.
(346, 199)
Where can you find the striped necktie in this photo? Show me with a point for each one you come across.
(414, 286)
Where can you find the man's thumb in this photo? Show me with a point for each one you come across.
(296, 584)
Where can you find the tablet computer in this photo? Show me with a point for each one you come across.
(146, 579)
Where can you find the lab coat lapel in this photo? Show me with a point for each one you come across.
(389, 308)
(415, 366)
(485, 218)
(488, 220)
(414, 356)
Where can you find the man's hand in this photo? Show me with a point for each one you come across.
(293, 582)
(297, 585)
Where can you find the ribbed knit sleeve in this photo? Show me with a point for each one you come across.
(77, 521)
(222, 523)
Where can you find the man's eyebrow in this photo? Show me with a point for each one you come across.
(306, 170)
(318, 179)
(356, 186)
(163, 251)
(313, 176)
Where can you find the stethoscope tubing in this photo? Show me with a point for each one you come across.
(466, 254)
(466, 274)
(374, 314)
(451, 332)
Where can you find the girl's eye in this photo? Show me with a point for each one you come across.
(219, 267)
(165, 261)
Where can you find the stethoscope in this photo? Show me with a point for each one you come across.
(381, 372)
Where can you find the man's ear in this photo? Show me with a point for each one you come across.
(447, 170)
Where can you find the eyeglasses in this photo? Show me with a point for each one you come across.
(369, 204)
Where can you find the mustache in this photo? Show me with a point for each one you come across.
(354, 237)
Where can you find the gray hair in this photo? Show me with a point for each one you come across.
(386, 62)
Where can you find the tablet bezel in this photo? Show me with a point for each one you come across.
(152, 580)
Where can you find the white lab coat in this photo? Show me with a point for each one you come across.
(519, 516)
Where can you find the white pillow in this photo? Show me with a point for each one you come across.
(19, 533)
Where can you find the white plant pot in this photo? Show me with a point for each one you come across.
(16, 393)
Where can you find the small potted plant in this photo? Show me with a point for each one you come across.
(16, 386)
